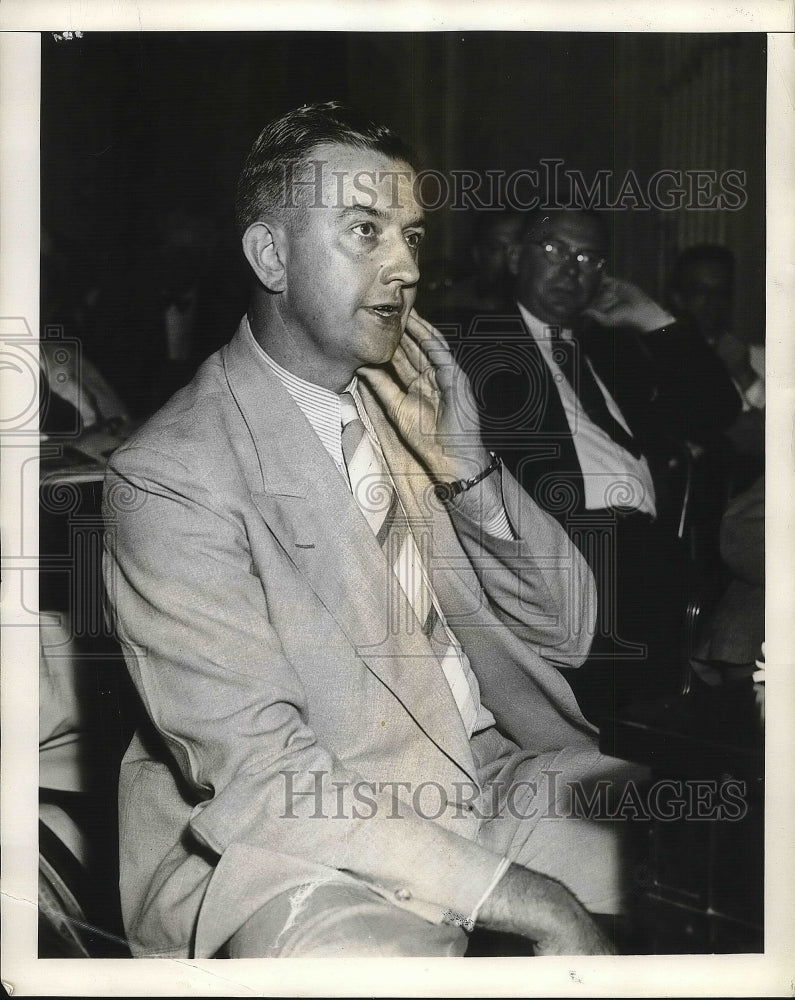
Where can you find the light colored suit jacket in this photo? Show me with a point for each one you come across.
(252, 602)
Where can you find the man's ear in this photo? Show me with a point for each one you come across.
(265, 247)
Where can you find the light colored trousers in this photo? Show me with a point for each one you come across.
(529, 800)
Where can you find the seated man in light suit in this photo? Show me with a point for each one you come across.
(359, 743)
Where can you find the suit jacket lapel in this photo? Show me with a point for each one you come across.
(597, 342)
(430, 522)
(622, 361)
(553, 430)
(308, 507)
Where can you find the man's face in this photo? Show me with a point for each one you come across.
(351, 268)
(491, 252)
(558, 293)
(705, 296)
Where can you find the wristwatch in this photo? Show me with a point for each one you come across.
(446, 492)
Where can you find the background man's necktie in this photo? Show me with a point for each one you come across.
(378, 500)
(573, 362)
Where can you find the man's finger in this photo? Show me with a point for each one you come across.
(408, 362)
(426, 354)
(432, 342)
(413, 350)
(384, 386)
(424, 332)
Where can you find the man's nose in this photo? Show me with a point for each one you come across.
(569, 264)
(399, 263)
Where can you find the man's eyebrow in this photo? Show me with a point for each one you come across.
(377, 213)
(357, 209)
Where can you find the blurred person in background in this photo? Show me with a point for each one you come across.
(589, 390)
(154, 323)
(702, 292)
(488, 283)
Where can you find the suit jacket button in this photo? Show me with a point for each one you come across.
(403, 894)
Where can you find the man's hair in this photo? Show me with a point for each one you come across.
(703, 253)
(536, 217)
(285, 145)
(486, 221)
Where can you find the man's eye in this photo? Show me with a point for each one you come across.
(414, 240)
(366, 229)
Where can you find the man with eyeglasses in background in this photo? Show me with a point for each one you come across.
(586, 392)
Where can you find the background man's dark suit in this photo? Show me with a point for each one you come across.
(670, 389)
(669, 386)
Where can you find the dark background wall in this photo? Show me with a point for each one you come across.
(134, 123)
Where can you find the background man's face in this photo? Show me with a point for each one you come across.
(491, 252)
(352, 256)
(705, 295)
(558, 293)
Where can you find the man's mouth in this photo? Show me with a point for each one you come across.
(386, 310)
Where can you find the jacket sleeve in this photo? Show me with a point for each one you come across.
(538, 584)
(695, 397)
(192, 617)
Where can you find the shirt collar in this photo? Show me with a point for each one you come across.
(319, 405)
(541, 331)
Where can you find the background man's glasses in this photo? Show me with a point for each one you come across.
(558, 253)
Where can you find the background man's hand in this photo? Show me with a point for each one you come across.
(429, 400)
(539, 908)
(620, 303)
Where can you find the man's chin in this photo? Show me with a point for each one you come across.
(563, 309)
(561, 317)
(381, 359)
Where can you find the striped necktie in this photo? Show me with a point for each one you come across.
(379, 502)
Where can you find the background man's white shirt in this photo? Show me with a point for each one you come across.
(611, 475)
